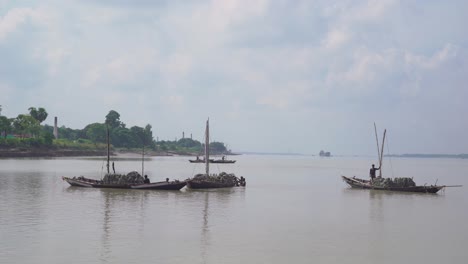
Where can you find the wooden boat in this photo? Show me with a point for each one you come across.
(200, 161)
(222, 161)
(207, 181)
(365, 184)
(203, 184)
(91, 183)
(408, 186)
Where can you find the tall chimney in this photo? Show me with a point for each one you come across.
(55, 128)
(183, 134)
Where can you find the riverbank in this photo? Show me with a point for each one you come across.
(33, 153)
(63, 152)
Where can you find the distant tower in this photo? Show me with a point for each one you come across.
(157, 139)
(183, 134)
(191, 136)
(55, 128)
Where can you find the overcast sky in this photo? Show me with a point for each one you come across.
(272, 75)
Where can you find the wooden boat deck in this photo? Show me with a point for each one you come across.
(365, 184)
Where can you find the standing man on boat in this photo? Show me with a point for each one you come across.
(372, 172)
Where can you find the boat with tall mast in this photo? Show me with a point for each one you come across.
(388, 184)
(132, 180)
(207, 181)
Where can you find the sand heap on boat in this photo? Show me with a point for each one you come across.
(223, 177)
(131, 178)
(396, 182)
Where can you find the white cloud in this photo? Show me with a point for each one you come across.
(16, 17)
(448, 52)
(370, 10)
(279, 63)
(335, 39)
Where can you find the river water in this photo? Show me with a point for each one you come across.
(295, 209)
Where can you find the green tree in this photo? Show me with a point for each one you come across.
(26, 124)
(5, 125)
(148, 136)
(38, 114)
(48, 137)
(122, 137)
(113, 119)
(188, 143)
(97, 132)
(217, 147)
(138, 134)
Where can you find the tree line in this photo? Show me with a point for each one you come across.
(28, 128)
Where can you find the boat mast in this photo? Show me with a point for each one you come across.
(377, 140)
(381, 153)
(108, 149)
(143, 161)
(207, 147)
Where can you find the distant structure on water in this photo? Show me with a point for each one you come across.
(324, 154)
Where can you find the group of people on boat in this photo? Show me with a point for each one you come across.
(198, 159)
(241, 182)
(147, 180)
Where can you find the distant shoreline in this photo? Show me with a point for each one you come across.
(50, 153)
(451, 156)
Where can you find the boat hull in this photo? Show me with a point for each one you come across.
(364, 184)
(160, 186)
(90, 183)
(78, 182)
(214, 161)
(192, 184)
(223, 161)
(200, 161)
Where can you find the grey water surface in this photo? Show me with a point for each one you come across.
(295, 209)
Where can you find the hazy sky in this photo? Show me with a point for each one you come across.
(273, 76)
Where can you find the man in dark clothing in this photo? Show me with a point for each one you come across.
(372, 172)
(146, 179)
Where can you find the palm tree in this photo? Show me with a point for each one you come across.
(38, 114)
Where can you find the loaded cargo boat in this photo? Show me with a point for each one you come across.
(366, 184)
(388, 184)
(132, 180)
(207, 181)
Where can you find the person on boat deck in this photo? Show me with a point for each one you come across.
(372, 172)
(223, 158)
(198, 158)
(146, 179)
(167, 179)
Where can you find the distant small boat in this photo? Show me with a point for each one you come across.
(200, 161)
(224, 161)
(324, 153)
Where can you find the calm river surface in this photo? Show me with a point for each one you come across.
(293, 210)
